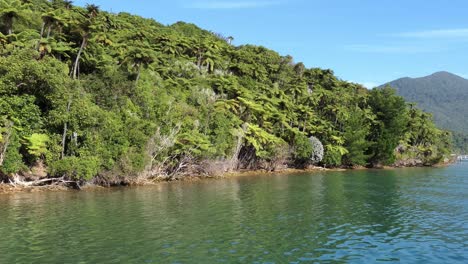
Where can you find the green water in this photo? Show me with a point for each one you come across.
(401, 216)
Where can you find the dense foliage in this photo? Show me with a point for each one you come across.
(94, 95)
(445, 96)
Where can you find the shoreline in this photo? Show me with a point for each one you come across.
(7, 188)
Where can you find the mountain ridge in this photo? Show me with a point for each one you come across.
(443, 94)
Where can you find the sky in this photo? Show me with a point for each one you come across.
(364, 41)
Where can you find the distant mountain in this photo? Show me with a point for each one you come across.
(443, 94)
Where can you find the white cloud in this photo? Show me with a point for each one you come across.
(368, 85)
(231, 4)
(440, 33)
(365, 48)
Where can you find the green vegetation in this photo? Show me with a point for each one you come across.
(445, 96)
(460, 142)
(117, 98)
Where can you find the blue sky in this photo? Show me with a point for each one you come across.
(365, 41)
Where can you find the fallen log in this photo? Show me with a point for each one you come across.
(17, 181)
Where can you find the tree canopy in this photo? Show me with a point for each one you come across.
(93, 94)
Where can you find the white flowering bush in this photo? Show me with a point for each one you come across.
(317, 150)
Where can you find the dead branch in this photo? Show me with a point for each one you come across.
(15, 180)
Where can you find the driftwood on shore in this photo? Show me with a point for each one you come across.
(16, 180)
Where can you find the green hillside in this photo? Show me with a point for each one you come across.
(91, 95)
(443, 94)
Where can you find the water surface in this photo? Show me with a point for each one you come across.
(401, 216)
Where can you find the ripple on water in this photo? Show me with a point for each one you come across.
(415, 215)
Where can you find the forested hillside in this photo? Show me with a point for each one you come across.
(443, 94)
(90, 95)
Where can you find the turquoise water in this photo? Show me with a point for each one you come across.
(400, 216)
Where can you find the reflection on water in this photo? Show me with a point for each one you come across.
(409, 215)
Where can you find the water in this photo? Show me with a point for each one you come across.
(400, 216)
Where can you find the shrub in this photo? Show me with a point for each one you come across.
(76, 168)
(303, 149)
(317, 150)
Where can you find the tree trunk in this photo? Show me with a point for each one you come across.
(48, 31)
(65, 128)
(4, 148)
(9, 25)
(77, 60)
(43, 29)
(59, 56)
(138, 74)
(235, 156)
(42, 35)
(200, 59)
(304, 123)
